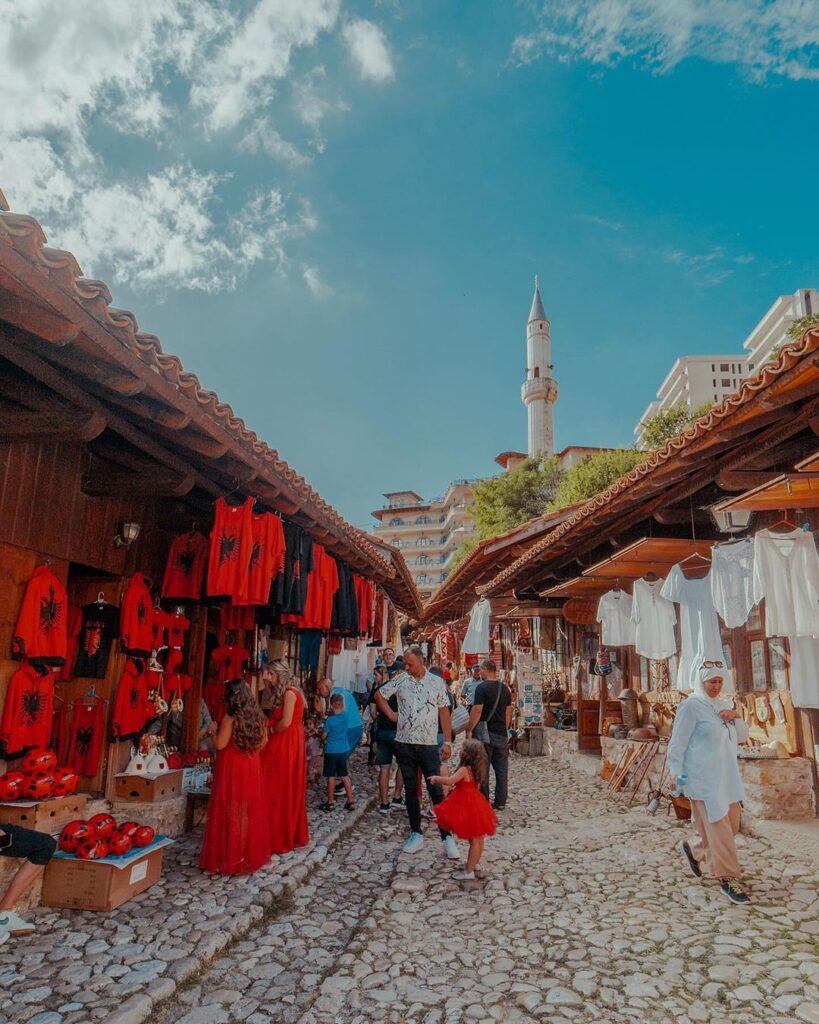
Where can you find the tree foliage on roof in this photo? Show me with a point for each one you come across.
(462, 552)
(594, 474)
(665, 425)
(512, 498)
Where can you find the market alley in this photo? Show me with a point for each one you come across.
(585, 913)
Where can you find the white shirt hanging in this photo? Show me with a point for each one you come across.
(614, 616)
(476, 640)
(732, 581)
(700, 638)
(654, 619)
(705, 748)
(786, 575)
(804, 671)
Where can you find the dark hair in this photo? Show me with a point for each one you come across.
(436, 670)
(337, 701)
(249, 723)
(473, 756)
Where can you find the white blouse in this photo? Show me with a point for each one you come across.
(732, 581)
(786, 575)
(654, 619)
(700, 638)
(804, 671)
(614, 616)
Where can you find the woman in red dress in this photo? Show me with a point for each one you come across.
(237, 836)
(284, 761)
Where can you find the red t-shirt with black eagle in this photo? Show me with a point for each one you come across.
(136, 618)
(231, 545)
(185, 568)
(28, 710)
(41, 634)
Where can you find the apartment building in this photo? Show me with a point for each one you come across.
(427, 532)
(694, 381)
(771, 333)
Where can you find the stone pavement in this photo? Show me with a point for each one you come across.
(585, 913)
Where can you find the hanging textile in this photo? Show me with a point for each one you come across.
(654, 620)
(41, 633)
(85, 742)
(231, 545)
(345, 613)
(231, 661)
(99, 630)
(804, 671)
(321, 589)
(289, 590)
(732, 581)
(185, 568)
(786, 575)
(28, 710)
(614, 616)
(266, 559)
(476, 640)
(309, 649)
(72, 644)
(136, 618)
(132, 708)
(700, 638)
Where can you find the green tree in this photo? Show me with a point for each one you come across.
(464, 549)
(665, 425)
(505, 501)
(594, 474)
(798, 328)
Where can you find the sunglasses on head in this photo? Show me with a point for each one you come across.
(713, 664)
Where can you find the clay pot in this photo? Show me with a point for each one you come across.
(642, 733)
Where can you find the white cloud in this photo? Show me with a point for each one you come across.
(314, 281)
(369, 50)
(169, 74)
(764, 37)
(601, 222)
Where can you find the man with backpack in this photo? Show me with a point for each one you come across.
(489, 723)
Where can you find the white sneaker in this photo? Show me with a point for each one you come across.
(4, 937)
(463, 876)
(13, 924)
(451, 848)
(414, 843)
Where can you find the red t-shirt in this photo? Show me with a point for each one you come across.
(85, 744)
(177, 626)
(41, 634)
(185, 568)
(28, 710)
(231, 544)
(160, 621)
(322, 584)
(230, 661)
(132, 708)
(266, 558)
(73, 643)
(137, 618)
(237, 617)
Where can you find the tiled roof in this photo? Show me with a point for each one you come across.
(23, 236)
(733, 408)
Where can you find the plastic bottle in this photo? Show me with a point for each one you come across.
(679, 785)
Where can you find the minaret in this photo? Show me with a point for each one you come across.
(539, 391)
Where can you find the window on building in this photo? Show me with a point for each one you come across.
(396, 522)
(713, 367)
(750, 366)
(726, 382)
(422, 519)
(714, 382)
(723, 367)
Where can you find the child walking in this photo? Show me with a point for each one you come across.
(314, 749)
(466, 811)
(336, 749)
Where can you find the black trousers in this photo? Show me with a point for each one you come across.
(412, 758)
(497, 757)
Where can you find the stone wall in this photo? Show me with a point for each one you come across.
(778, 789)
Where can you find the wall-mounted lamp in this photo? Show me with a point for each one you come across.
(734, 521)
(128, 533)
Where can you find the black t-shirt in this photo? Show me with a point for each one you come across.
(383, 723)
(100, 625)
(486, 694)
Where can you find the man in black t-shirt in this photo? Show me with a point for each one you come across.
(493, 705)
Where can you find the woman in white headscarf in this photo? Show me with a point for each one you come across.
(703, 748)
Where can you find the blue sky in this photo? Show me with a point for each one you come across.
(333, 211)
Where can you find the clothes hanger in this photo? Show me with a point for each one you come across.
(101, 599)
(783, 522)
(651, 577)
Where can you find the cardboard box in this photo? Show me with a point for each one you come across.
(44, 815)
(76, 884)
(148, 788)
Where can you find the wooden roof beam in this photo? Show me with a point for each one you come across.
(59, 426)
(31, 316)
(107, 479)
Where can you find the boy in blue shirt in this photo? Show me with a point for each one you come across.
(336, 749)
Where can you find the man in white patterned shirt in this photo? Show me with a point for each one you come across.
(423, 707)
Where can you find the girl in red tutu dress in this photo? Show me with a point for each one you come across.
(284, 761)
(466, 812)
(237, 835)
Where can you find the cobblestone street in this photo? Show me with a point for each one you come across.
(584, 913)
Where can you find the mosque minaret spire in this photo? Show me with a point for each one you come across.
(539, 391)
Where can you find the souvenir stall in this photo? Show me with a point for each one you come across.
(151, 547)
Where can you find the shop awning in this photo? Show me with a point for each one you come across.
(796, 490)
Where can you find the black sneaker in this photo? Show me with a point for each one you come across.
(693, 864)
(499, 807)
(383, 808)
(398, 801)
(349, 806)
(327, 806)
(733, 890)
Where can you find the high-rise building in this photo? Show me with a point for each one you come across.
(427, 532)
(539, 391)
(771, 333)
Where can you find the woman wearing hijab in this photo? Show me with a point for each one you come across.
(703, 748)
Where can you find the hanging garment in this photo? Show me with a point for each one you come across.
(73, 643)
(99, 630)
(700, 638)
(614, 616)
(28, 710)
(289, 591)
(309, 649)
(266, 558)
(136, 618)
(231, 545)
(322, 585)
(41, 633)
(238, 617)
(85, 743)
(185, 568)
(804, 671)
(177, 626)
(132, 708)
(732, 581)
(61, 730)
(786, 575)
(345, 615)
(654, 619)
(159, 624)
(477, 634)
(364, 590)
(231, 661)
(213, 694)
